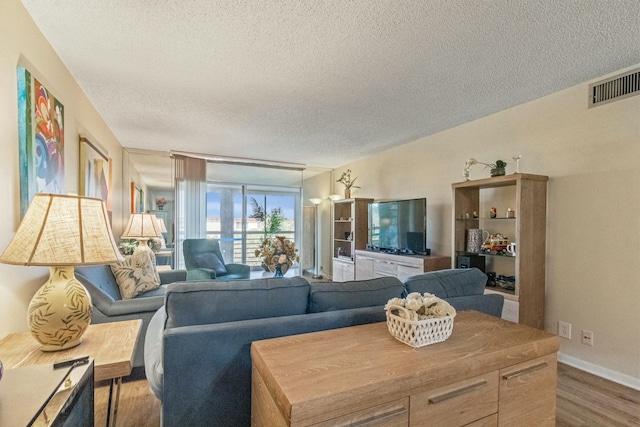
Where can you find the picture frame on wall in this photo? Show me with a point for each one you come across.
(40, 139)
(95, 172)
(137, 198)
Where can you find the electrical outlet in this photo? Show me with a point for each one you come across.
(564, 330)
(587, 337)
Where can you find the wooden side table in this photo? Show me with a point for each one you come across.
(111, 345)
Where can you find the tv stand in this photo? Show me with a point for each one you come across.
(371, 264)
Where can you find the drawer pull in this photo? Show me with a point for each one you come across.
(456, 393)
(525, 371)
(408, 265)
(391, 413)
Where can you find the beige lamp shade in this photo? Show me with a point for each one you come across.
(61, 231)
(315, 201)
(163, 228)
(142, 226)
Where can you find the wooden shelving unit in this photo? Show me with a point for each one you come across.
(527, 195)
(350, 225)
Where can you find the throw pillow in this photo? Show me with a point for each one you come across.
(136, 274)
(212, 262)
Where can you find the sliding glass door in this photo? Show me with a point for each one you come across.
(242, 216)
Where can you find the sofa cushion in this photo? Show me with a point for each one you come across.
(329, 296)
(448, 283)
(211, 261)
(136, 274)
(204, 302)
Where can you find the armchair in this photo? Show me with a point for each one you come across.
(203, 261)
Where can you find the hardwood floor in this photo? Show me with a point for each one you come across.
(583, 400)
(588, 400)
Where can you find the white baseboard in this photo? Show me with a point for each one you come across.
(616, 377)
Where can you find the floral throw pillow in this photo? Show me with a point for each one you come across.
(136, 274)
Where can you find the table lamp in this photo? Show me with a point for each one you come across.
(162, 226)
(62, 231)
(142, 227)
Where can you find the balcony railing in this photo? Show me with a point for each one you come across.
(232, 247)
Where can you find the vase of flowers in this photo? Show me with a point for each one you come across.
(278, 254)
(160, 203)
(345, 179)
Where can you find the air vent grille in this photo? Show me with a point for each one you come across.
(615, 88)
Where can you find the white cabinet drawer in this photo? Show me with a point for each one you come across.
(389, 267)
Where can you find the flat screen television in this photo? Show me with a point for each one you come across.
(398, 226)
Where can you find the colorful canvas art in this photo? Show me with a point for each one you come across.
(41, 139)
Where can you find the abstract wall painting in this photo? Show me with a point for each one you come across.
(41, 139)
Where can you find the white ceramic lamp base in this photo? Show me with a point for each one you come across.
(60, 311)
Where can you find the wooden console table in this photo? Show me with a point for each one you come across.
(489, 371)
(112, 345)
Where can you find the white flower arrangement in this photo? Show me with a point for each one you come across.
(421, 307)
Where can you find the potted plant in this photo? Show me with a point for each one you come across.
(497, 168)
(346, 180)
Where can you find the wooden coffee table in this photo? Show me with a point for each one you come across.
(111, 345)
(489, 371)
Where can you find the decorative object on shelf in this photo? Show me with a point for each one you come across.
(517, 158)
(491, 278)
(475, 238)
(62, 231)
(493, 213)
(160, 203)
(510, 213)
(467, 168)
(278, 252)
(496, 243)
(345, 179)
(506, 282)
(497, 168)
(475, 214)
(511, 248)
(419, 320)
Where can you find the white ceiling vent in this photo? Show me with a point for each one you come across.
(615, 88)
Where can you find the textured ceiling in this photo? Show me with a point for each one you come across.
(325, 82)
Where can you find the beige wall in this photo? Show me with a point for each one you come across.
(22, 44)
(593, 229)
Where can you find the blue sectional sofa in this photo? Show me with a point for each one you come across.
(108, 305)
(197, 349)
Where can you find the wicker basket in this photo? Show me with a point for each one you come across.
(418, 333)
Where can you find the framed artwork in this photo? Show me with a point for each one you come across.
(95, 172)
(40, 139)
(137, 198)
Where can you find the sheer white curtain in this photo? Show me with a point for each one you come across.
(191, 189)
